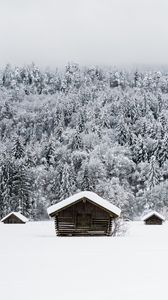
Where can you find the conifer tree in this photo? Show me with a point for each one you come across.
(67, 187)
(18, 149)
(6, 179)
(21, 189)
(49, 153)
(163, 151)
(123, 132)
(153, 174)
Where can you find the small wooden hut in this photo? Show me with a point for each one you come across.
(84, 213)
(153, 218)
(14, 218)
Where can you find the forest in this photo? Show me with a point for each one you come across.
(100, 129)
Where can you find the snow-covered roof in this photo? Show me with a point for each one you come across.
(17, 214)
(153, 213)
(85, 194)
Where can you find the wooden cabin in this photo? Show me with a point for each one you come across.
(14, 218)
(84, 213)
(153, 218)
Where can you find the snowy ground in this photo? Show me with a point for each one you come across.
(37, 265)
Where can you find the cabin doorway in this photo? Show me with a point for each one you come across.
(83, 220)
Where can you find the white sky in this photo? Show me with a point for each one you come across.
(53, 32)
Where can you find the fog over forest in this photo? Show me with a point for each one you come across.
(81, 128)
(107, 32)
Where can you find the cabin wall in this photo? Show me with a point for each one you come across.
(83, 218)
(153, 220)
(13, 220)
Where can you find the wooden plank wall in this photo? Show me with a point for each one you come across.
(67, 222)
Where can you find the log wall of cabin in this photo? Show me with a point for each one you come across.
(83, 218)
(153, 220)
(13, 220)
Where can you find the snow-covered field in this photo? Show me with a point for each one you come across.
(37, 265)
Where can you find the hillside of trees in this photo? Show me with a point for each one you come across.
(81, 128)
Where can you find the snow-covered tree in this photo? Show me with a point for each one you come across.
(22, 185)
(18, 149)
(153, 173)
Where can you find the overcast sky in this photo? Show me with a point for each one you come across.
(53, 32)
